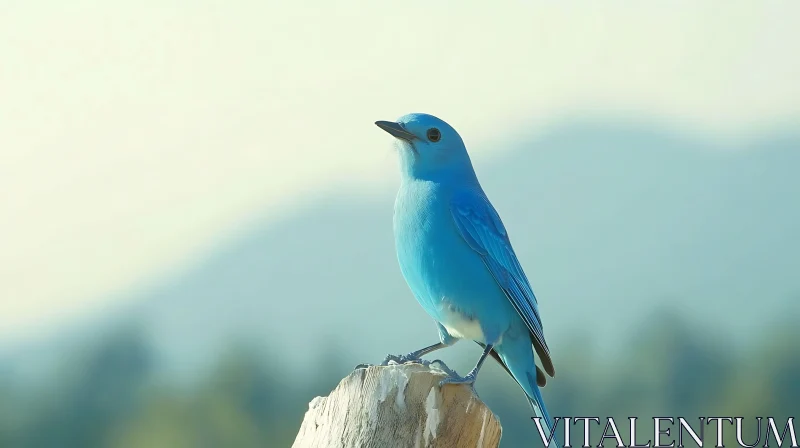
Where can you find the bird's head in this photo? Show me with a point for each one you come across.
(429, 147)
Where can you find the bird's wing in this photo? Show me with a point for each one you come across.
(481, 227)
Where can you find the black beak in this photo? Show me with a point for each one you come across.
(396, 129)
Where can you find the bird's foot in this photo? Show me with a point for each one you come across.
(410, 358)
(442, 367)
(455, 379)
(401, 359)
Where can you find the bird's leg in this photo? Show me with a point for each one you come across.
(415, 355)
(409, 358)
(445, 339)
(471, 376)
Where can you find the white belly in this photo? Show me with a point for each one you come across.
(460, 327)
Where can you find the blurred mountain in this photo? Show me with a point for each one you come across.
(612, 224)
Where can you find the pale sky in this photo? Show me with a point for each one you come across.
(135, 136)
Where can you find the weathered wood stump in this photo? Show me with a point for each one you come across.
(398, 406)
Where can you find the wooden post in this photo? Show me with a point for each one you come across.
(398, 406)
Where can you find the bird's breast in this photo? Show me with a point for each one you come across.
(420, 221)
(434, 258)
(418, 214)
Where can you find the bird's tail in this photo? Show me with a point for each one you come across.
(537, 404)
(519, 361)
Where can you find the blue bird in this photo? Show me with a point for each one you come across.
(457, 259)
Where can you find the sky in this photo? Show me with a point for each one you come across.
(136, 136)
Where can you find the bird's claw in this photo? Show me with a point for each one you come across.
(396, 359)
(410, 359)
(455, 379)
(401, 359)
(440, 365)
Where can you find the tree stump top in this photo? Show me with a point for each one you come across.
(398, 406)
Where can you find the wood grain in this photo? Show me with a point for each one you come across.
(398, 406)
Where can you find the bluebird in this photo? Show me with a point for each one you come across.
(456, 256)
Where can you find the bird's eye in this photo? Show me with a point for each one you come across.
(434, 135)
